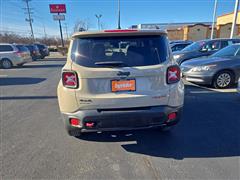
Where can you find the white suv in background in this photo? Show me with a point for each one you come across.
(13, 55)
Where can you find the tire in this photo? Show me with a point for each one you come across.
(6, 64)
(223, 79)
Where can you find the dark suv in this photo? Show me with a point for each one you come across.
(202, 48)
(43, 49)
(34, 51)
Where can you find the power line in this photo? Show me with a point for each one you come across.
(29, 19)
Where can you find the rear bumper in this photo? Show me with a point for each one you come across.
(122, 119)
(19, 61)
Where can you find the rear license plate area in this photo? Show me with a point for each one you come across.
(123, 85)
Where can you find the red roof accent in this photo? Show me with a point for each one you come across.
(120, 30)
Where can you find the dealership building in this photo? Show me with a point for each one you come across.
(196, 30)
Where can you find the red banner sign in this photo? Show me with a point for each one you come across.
(57, 8)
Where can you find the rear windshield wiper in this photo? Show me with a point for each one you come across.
(110, 63)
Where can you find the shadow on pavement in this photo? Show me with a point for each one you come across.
(8, 81)
(205, 131)
(27, 97)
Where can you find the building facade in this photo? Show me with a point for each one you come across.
(195, 31)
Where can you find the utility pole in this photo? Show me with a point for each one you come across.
(44, 30)
(234, 18)
(214, 18)
(66, 29)
(98, 19)
(29, 19)
(60, 26)
(119, 23)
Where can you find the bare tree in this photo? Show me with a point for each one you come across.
(15, 38)
(82, 25)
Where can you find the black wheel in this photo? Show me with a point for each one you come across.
(223, 79)
(6, 64)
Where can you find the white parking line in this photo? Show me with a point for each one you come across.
(202, 92)
(3, 75)
(232, 90)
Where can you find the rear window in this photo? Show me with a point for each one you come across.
(5, 48)
(129, 50)
(21, 48)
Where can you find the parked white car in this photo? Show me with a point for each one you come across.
(13, 55)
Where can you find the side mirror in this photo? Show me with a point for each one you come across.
(204, 50)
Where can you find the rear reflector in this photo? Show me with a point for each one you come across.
(121, 30)
(173, 74)
(18, 53)
(172, 116)
(75, 122)
(90, 124)
(69, 79)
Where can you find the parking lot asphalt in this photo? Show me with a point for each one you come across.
(34, 144)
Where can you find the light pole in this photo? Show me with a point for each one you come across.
(98, 19)
(234, 18)
(29, 19)
(214, 18)
(119, 23)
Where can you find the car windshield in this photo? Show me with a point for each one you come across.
(109, 51)
(227, 51)
(194, 46)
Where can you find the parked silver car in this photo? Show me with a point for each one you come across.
(221, 69)
(13, 55)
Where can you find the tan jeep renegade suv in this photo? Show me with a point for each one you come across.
(120, 80)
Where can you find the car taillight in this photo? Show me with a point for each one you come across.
(173, 74)
(18, 53)
(75, 122)
(69, 79)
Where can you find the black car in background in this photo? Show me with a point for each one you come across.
(43, 49)
(222, 69)
(178, 46)
(202, 48)
(34, 51)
